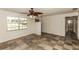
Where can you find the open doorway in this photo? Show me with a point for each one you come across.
(71, 27)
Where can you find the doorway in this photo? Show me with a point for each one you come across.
(71, 27)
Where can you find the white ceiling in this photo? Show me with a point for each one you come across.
(45, 11)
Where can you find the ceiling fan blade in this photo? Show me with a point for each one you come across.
(39, 12)
(35, 14)
(28, 14)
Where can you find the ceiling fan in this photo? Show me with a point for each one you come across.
(33, 13)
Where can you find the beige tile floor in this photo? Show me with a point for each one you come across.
(43, 42)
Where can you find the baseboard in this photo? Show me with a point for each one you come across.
(52, 34)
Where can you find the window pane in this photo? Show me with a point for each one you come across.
(23, 23)
(12, 23)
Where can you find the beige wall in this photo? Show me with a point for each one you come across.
(8, 35)
(55, 24)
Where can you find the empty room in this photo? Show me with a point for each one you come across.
(39, 29)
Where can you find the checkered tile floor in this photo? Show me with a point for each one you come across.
(43, 42)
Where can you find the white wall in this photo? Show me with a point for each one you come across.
(8, 35)
(55, 24)
(37, 28)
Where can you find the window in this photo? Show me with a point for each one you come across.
(15, 23)
(23, 23)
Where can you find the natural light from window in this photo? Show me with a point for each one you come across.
(16, 23)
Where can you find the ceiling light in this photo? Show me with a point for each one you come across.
(70, 21)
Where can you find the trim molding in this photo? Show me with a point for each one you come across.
(52, 34)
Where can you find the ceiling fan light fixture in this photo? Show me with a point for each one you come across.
(31, 16)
